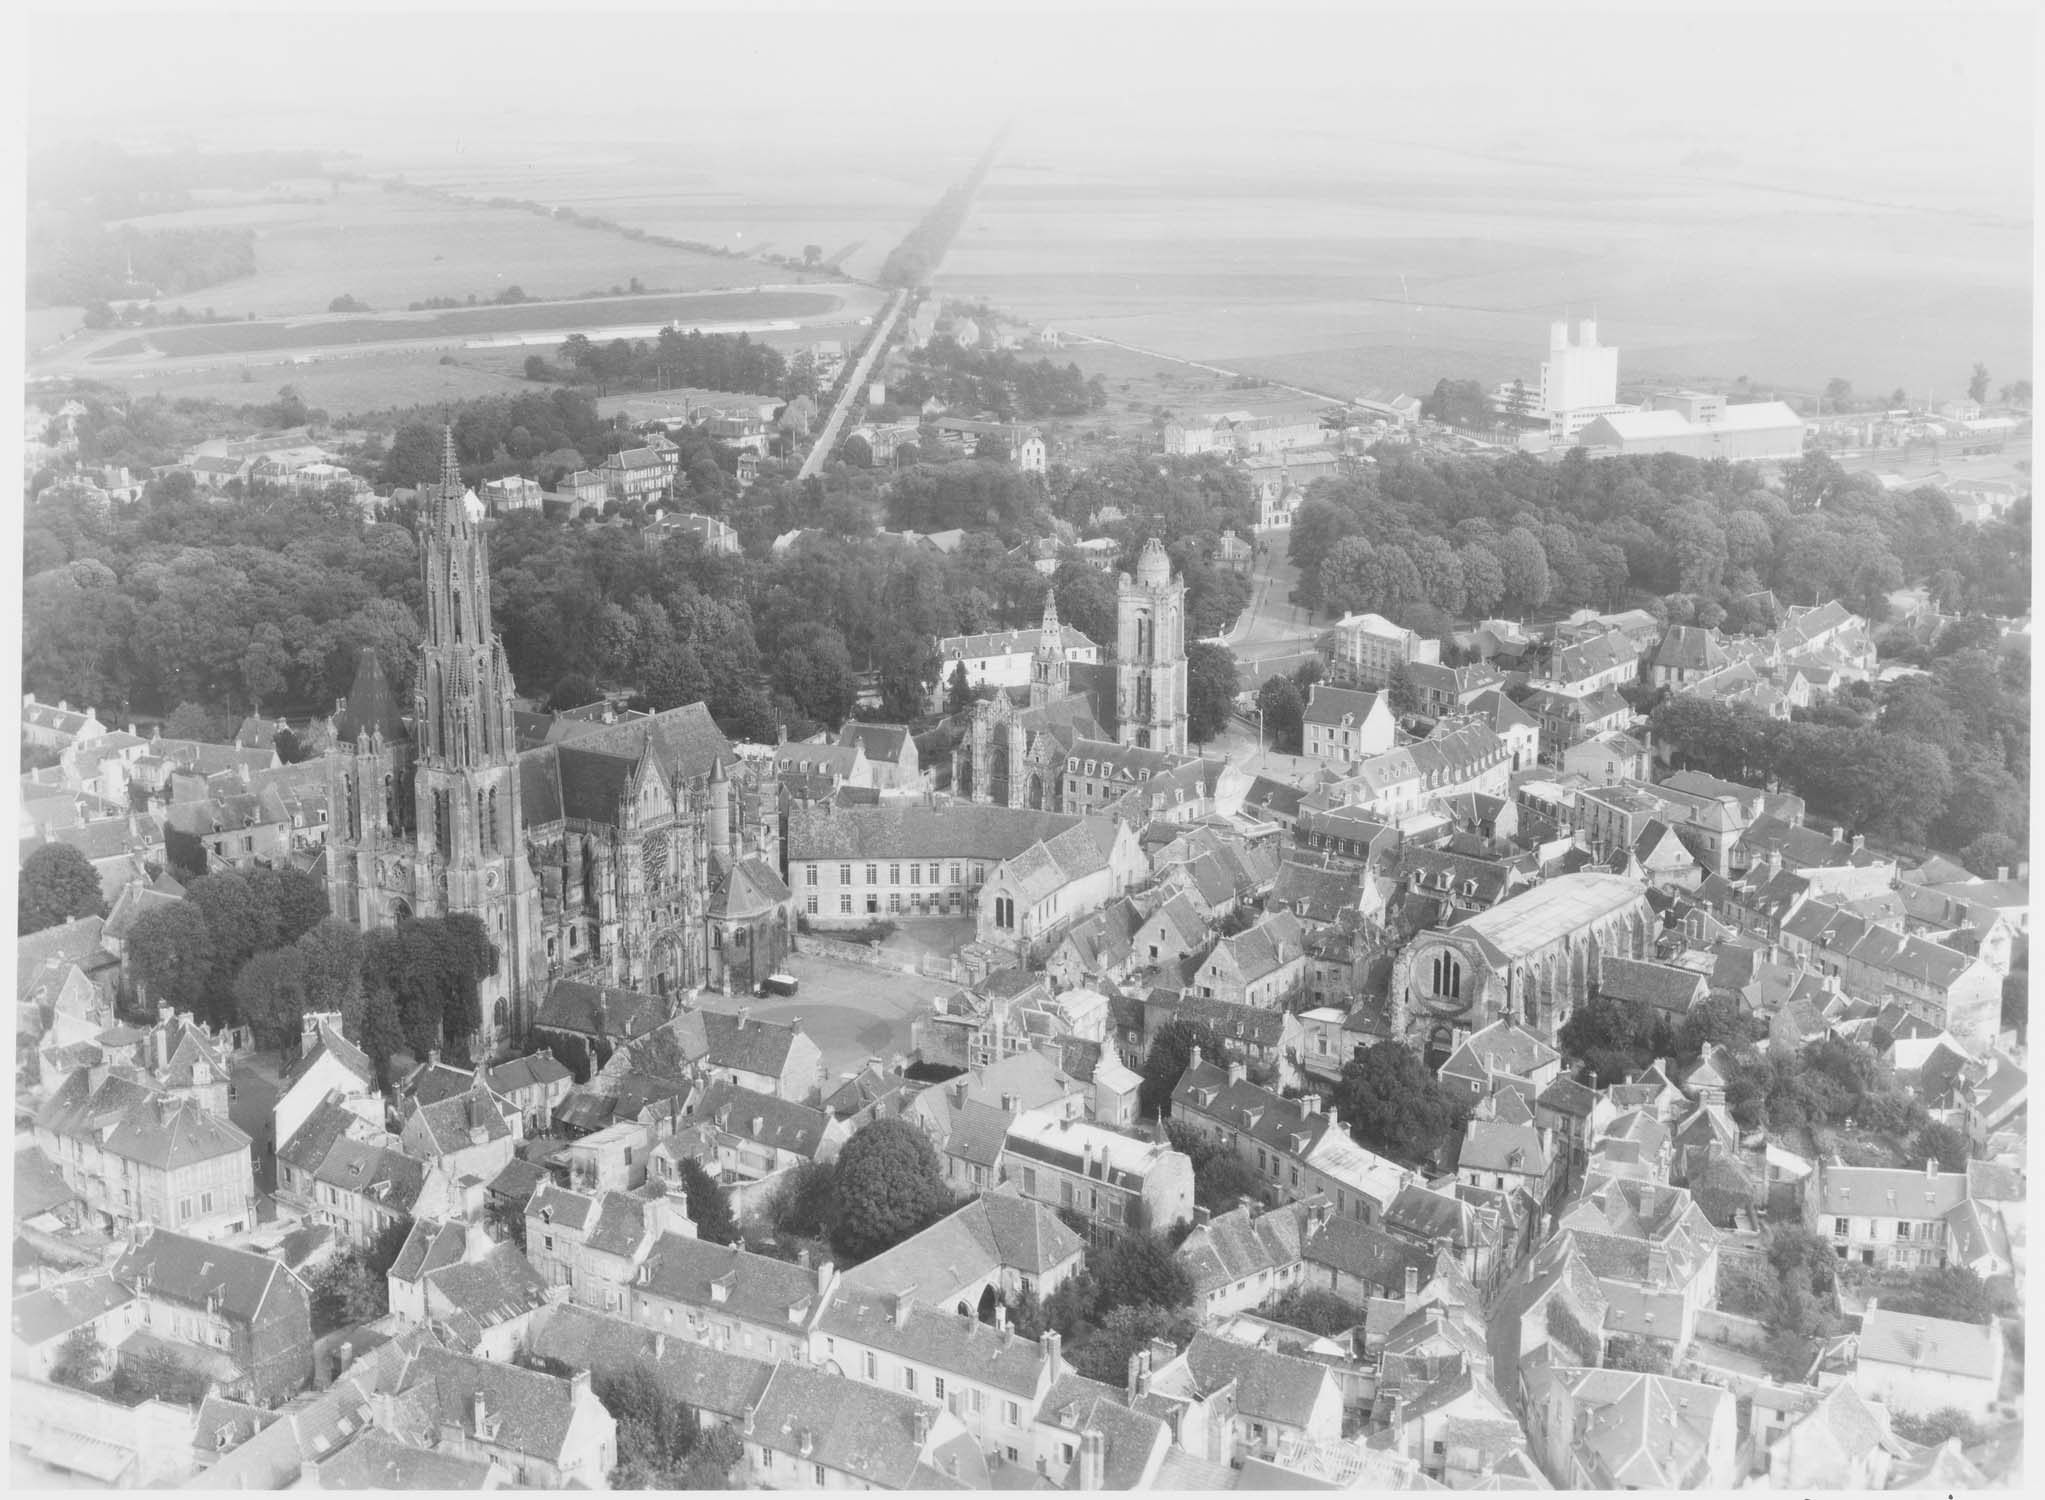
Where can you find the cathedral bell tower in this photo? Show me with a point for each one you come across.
(469, 826)
(1050, 674)
(1150, 654)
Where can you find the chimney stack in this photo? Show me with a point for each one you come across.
(1053, 1343)
(1235, 1073)
(922, 1425)
(1412, 1284)
(824, 1269)
(1931, 1169)
(479, 1411)
(1093, 1455)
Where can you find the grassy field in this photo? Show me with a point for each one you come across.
(345, 381)
(392, 249)
(340, 384)
(467, 323)
(1138, 384)
(755, 195)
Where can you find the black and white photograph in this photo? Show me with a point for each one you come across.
(821, 745)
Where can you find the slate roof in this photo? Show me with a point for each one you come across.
(330, 1042)
(534, 1410)
(234, 1420)
(171, 1133)
(1365, 1252)
(1270, 1387)
(786, 1126)
(183, 1269)
(1646, 1431)
(599, 1010)
(686, 741)
(967, 831)
(1644, 982)
(38, 1185)
(714, 1381)
(499, 1288)
(1076, 1404)
(997, 1358)
(1889, 1192)
(381, 1173)
(1502, 1047)
(758, 1288)
(53, 1311)
(1923, 1343)
(1237, 1245)
(377, 1461)
(429, 1245)
(447, 1123)
(746, 1044)
(979, 1133)
(855, 1429)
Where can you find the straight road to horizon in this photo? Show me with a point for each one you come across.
(828, 439)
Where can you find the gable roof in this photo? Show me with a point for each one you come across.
(718, 1382)
(856, 1429)
(1269, 1386)
(183, 1269)
(534, 1410)
(1924, 1343)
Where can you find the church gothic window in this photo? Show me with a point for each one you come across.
(1448, 976)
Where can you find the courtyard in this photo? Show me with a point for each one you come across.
(851, 1012)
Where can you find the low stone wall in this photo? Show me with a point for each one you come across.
(1731, 1329)
(837, 950)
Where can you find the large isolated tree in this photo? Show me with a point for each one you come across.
(1394, 1105)
(888, 1186)
(58, 883)
(709, 1204)
(1170, 1051)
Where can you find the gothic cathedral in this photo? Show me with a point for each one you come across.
(637, 851)
(427, 821)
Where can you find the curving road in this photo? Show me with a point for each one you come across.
(883, 328)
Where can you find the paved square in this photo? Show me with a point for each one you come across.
(850, 1012)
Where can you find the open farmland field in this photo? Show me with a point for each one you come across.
(390, 249)
(468, 323)
(341, 384)
(1387, 269)
(1138, 384)
(855, 203)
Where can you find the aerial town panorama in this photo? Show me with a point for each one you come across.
(721, 847)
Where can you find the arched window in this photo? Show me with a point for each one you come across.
(502, 1013)
(1448, 976)
(457, 614)
(496, 834)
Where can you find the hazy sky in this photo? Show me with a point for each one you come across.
(1839, 82)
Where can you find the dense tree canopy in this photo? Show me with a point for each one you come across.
(57, 884)
(889, 1185)
(1393, 1105)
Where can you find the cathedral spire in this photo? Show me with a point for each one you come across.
(448, 507)
(1050, 612)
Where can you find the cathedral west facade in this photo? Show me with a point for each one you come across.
(1017, 751)
(637, 852)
